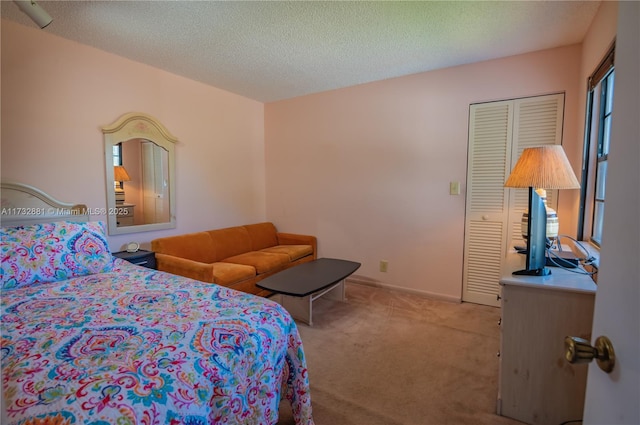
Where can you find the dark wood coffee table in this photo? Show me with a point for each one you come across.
(299, 286)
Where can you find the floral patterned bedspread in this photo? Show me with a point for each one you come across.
(136, 346)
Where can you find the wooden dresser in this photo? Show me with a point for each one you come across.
(125, 214)
(536, 384)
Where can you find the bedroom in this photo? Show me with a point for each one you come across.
(235, 145)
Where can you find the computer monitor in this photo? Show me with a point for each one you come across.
(536, 238)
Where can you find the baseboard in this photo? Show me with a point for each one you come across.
(362, 280)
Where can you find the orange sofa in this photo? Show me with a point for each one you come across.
(236, 257)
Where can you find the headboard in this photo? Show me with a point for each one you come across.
(22, 205)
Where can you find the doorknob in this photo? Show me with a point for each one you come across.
(578, 350)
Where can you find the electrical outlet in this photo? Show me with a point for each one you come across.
(384, 264)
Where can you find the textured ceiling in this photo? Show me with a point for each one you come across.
(270, 50)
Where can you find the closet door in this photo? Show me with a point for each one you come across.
(537, 121)
(490, 135)
(498, 132)
(155, 187)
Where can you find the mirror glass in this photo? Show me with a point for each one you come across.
(140, 174)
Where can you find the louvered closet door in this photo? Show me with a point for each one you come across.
(498, 133)
(537, 121)
(490, 135)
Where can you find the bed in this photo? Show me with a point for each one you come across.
(88, 338)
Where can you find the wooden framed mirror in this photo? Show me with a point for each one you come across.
(140, 175)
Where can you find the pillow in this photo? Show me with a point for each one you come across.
(51, 252)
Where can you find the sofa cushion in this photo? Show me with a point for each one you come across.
(293, 251)
(262, 261)
(230, 241)
(192, 246)
(228, 273)
(263, 235)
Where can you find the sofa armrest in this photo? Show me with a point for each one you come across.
(294, 239)
(184, 267)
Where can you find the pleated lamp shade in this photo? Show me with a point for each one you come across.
(545, 167)
(120, 174)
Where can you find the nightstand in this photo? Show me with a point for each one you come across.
(141, 257)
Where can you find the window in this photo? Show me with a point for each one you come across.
(117, 154)
(596, 152)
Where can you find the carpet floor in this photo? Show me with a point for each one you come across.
(386, 357)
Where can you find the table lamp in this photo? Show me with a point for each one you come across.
(120, 176)
(541, 167)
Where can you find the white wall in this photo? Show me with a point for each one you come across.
(56, 96)
(367, 168)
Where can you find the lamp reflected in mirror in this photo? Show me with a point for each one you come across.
(120, 176)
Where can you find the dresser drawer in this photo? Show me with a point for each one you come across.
(125, 214)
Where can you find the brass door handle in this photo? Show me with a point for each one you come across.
(579, 350)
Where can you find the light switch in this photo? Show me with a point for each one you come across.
(454, 188)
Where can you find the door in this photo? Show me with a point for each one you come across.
(155, 188)
(537, 121)
(498, 133)
(490, 134)
(613, 398)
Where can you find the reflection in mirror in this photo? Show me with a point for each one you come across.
(140, 175)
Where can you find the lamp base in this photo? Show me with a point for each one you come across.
(533, 272)
(119, 197)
